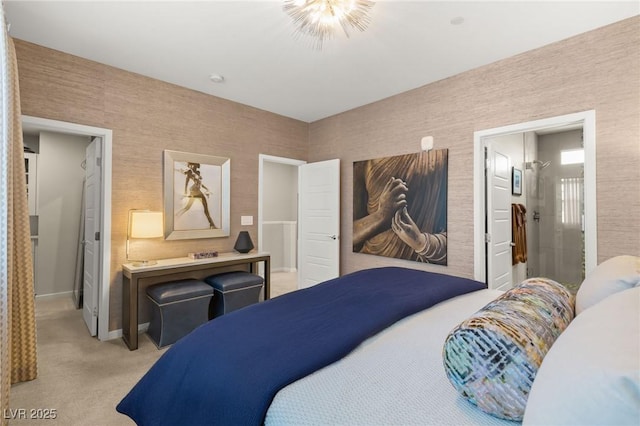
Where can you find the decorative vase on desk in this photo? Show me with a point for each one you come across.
(243, 243)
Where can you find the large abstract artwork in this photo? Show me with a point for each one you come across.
(400, 206)
(196, 195)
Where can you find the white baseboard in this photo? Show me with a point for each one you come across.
(54, 295)
(283, 270)
(117, 334)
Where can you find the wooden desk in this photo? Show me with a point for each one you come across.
(179, 268)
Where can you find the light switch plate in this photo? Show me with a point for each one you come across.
(246, 220)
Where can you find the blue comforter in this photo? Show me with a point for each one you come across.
(227, 371)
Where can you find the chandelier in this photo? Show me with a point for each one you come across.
(321, 19)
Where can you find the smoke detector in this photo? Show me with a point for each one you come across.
(216, 78)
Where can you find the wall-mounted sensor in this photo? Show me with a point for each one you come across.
(427, 143)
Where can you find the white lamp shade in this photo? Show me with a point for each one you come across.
(145, 224)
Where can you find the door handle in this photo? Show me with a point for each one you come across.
(333, 237)
(512, 244)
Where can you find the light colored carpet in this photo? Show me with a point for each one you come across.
(82, 378)
(283, 282)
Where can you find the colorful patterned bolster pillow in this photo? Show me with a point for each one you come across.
(492, 357)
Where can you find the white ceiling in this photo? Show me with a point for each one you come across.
(251, 43)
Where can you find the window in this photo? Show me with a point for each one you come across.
(572, 156)
(571, 194)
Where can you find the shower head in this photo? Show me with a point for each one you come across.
(541, 165)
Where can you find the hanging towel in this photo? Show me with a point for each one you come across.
(519, 233)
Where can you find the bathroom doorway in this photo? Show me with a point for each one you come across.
(554, 175)
(557, 160)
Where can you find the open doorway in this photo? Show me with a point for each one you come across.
(278, 219)
(35, 124)
(555, 207)
(569, 193)
(55, 175)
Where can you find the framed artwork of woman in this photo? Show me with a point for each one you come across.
(196, 195)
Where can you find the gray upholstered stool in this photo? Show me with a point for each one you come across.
(177, 308)
(234, 290)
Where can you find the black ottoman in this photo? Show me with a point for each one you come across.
(176, 309)
(234, 290)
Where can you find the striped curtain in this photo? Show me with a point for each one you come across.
(17, 309)
(5, 350)
(22, 320)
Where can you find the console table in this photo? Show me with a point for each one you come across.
(175, 269)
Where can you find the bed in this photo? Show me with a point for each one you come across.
(391, 370)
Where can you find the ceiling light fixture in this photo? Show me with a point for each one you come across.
(320, 19)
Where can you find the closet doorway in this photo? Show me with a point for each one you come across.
(82, 133)
(57, 198)
(558, 191)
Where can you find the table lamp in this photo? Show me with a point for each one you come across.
(144, 224)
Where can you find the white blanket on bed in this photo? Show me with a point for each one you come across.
(394, 378)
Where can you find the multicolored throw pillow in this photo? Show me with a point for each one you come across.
(492, 357)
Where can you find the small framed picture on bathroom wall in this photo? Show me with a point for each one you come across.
(516, 181)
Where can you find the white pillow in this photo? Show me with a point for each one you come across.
(611, 276)
(591, 375)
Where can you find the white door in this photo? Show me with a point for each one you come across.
(498, 196)
(31, 170)
(318, 222)
(91, 281)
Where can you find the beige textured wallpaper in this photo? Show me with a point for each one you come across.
(148, 116)
(599, 70)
